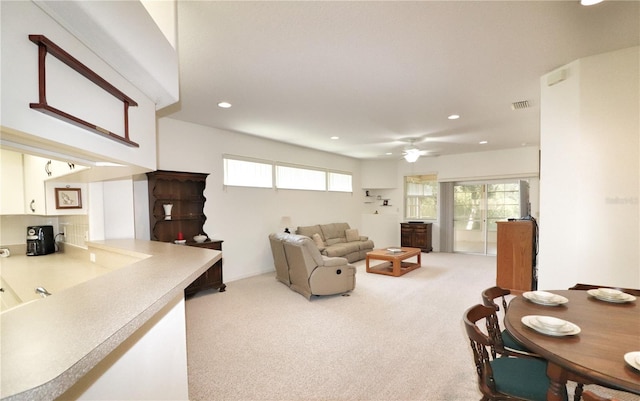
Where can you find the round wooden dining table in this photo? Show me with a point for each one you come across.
(607, 332)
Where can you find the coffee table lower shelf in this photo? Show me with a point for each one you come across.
(394, 263)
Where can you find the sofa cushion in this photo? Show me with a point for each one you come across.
(342, 249)
(366, 245)
(309, 231)
(318, 240)
(334, 230)
(352, 234)
(334, 241)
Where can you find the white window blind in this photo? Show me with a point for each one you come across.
(246, 173)
(340, 182)
(300, 178)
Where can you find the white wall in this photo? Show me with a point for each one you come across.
(589, 221)
(118, 209)
(244, 217)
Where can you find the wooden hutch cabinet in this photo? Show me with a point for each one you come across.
(185, 192)
(416, 235)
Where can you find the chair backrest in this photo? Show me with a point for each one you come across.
(584, 287)
(490, 294)
(481, 344)
(493, 325)
(303, 258)
(279, 257)
(589, 396)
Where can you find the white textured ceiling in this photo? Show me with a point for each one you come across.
(377, 73)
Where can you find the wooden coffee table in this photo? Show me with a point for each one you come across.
(394, 265)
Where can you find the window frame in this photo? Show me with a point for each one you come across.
(418, 199)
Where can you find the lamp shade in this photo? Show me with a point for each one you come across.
(285, 222)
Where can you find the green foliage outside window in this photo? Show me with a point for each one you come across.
(421, 197)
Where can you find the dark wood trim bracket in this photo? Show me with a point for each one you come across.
(47, 46)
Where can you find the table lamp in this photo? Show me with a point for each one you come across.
(286, 222)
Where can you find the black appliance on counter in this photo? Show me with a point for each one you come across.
(40, 240)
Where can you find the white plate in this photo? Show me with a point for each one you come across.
(633, 359)
(531, 321)
(624, 298)
(554, 301)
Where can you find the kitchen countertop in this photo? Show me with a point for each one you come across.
(55, 272)
(48, 344)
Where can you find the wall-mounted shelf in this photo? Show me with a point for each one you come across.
(46, 46)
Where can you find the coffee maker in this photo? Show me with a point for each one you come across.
(40, 240)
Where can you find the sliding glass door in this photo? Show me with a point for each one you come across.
(477, 208)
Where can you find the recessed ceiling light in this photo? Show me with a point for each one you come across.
(590, 2)
(335, 137)
(483, 142)
(224, 105)
(453, 117)
(388, 153)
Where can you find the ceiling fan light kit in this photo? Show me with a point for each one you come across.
(411, 155)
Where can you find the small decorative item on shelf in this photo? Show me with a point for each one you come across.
(180, 240)
(167, 210)
(200, 238)
(385, 202)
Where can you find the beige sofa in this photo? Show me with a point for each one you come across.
(300, 266)
(338, 239)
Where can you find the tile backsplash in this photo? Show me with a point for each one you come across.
(75, 229)
(13, 228)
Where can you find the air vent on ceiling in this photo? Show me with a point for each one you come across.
(523, 104)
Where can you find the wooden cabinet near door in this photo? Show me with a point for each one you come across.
(516, 269)
(416, 235)
(185, 191)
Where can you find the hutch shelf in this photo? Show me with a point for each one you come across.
(185, 193)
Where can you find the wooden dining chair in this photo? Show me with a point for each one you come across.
(503, 378)
(590, 396)
(504, 343)
(585, 287)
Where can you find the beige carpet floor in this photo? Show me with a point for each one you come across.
(390, 339)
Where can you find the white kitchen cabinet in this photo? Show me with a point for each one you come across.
(12, 191)
(37, 171)
(34, 176)
(24, 189)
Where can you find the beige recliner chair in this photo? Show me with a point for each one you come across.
(279, 258)
(309, 272)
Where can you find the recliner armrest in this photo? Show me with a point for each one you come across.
(334, 261)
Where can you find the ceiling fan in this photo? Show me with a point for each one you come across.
(411, 153)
